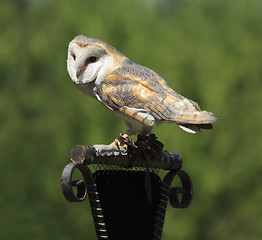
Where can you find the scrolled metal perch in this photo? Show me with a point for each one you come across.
(128, 201)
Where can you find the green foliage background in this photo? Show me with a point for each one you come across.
(209, 51)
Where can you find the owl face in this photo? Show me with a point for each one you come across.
(89, 58)
(85, 62)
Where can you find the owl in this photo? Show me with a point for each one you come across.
(134, 93)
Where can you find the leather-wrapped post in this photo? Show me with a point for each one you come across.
(128, 199)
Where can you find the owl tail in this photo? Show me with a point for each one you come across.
(193, 123)
(194, 128)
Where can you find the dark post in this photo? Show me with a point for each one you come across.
(127, 198)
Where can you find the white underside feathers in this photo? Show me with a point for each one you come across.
(189, 130)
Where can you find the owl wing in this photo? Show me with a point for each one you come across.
(139, 93)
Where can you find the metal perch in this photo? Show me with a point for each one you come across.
(128, 199)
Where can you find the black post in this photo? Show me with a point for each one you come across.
(127, 198)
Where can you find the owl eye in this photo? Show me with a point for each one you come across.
(92, 59)
(74, 56)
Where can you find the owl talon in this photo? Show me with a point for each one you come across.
(149, 141)
(124, 142)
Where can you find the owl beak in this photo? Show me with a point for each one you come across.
(80, 71)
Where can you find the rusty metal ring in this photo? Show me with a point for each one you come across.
(186, 190)
(81, 185)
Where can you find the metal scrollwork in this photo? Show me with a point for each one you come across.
(186, 190)
(81, 185)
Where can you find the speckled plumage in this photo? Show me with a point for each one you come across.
(133, 92)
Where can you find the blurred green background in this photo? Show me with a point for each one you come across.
(209, 51)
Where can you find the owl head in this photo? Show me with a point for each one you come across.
(89, 57)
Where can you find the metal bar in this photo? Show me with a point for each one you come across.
(118, 156)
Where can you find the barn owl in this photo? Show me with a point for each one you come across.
(134, 93)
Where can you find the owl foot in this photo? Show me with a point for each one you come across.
(143, 142)
(124, 142)
(149, 142)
